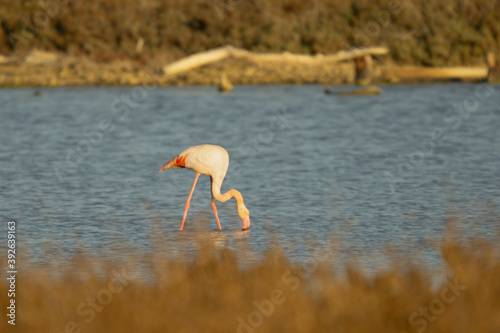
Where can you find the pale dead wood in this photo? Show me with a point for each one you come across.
(371, 90)
(364, 68)
(493, 67)
(214, 55)
(225, 85)
(445, 73)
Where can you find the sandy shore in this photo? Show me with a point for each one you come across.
(82, 72)
(71, 71)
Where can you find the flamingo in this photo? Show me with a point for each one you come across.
(213, 161)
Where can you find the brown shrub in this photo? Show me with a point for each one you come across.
(417, 32)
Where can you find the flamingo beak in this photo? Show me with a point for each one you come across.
(246, 222)
(164, 167)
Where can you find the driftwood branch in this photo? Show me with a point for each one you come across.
(196, 60)
(214, 55)
(443, 73)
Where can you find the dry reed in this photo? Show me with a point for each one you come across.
(214, 292)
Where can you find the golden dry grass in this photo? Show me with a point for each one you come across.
(213, 292)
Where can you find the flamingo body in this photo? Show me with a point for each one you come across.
(213, 161)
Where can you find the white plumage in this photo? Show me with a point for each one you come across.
(213, 161)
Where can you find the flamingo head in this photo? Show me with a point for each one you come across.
(245, 216)
(175, 163)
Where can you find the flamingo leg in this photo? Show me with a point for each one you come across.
(214, 207)
(188, 200)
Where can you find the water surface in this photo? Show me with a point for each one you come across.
(79, 167)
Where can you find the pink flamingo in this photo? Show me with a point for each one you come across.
(212, 161)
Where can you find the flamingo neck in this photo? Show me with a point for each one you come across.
(226, 196)
(242, 210)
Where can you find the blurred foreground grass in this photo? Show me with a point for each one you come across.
(214, 292)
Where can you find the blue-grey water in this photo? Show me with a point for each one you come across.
(79, 167)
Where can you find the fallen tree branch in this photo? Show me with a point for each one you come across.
(443, 73)
(214, 55)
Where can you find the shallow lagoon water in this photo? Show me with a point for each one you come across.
(311, 167)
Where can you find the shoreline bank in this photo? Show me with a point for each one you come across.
(70, 71)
